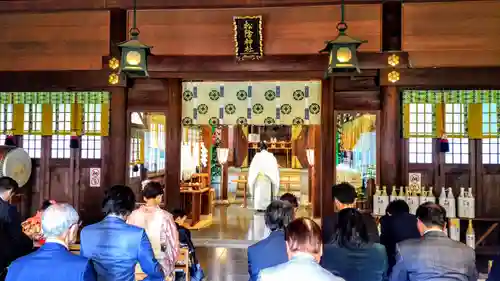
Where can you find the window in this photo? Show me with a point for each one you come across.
(61, 119)
(91, 141)
(134, 156)
(32, 124)
(420, 145)
(91, 147)
(455, 120)
(32, 118)
(6, 111)
(60, 146)
(420, 150)
(2, 139)
(33, 145)
(155, 148)
(490, 146)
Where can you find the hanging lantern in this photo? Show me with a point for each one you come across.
(133, 53)
(342, 50)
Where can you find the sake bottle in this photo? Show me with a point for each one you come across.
(430, 196)
(423, 196)
(384, 200)
(454, 229)
(376, 201)
(462, 206)
(401, 195)
(452, 203)
(407, 195)
(471, 210)
(470, 237)
(394, 195)
(443, 201)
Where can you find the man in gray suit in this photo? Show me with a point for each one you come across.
(304, 248)
(434, 256)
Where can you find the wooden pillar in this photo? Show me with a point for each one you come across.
(391, 168)
(316, 181)
(326, 167)
(173, 87)
(390, 137)
(116, 168)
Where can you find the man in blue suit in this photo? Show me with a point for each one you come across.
(272, 250)
(116, 247)
(53, 261)
(494, 274)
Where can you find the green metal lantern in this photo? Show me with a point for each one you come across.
(342, 50)
(134, 61)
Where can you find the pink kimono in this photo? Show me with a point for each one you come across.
(162, 233)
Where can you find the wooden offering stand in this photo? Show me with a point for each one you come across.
(196, 199)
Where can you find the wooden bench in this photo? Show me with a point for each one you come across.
(182, 263)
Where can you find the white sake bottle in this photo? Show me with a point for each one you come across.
(470, 236)
(407, 195)
(471, 208)
(430, 196)
(413, 202)
(394, 195)
(384, 201)
(452, 203)
(454, 229)
(443, 201)
(461, 204)
(423, 196)
(376, 201)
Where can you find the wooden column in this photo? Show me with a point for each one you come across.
(326, 168)
(173, 87)
(390, 135)
(115, 170)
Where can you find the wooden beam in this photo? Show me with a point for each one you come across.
(65, 5)
(389, 166)
(173, 65)
(118, 164)
(440, 78)
(53, 80)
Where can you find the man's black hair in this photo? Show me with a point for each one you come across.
(344, 192)
(432, 214)
(46, 204)
(290, 198)
(263, 145)
(178, 213)
(397, 207)
(278, 215)
(119, 200)
(7, 183)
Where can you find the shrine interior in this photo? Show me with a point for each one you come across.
(416, 116)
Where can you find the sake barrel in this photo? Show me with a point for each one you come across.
(15, 163)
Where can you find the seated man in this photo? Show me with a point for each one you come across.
(398, 225)
(53, 261)
(304, 249)
(114, 246)
(272, 250)
(434, 256)
(290, 198)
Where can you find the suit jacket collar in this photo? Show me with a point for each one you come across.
(52, 246)
(434, 233)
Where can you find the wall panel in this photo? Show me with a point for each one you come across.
(452, 34)
(54, 41)
(287, 30)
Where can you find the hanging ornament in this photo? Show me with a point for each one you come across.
(444, 146)
(74, 141)
(10, 140)
(204, 155)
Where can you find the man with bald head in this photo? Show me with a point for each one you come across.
(53, 261)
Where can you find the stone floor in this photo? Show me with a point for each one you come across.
(223, 264)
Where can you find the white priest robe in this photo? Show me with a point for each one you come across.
(263, 179)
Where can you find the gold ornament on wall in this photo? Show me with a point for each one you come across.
(393, 60)
(393, 76)
(113, 79)
(113, 63)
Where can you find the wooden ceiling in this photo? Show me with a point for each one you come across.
(60, 5)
